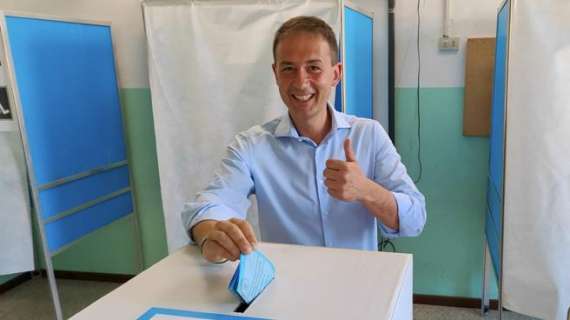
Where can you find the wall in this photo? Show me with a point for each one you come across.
(447, 256)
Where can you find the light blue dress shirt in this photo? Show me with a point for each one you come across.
(285, 172)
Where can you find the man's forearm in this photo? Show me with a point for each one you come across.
(381, 203)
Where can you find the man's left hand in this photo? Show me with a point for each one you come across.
(344, 179)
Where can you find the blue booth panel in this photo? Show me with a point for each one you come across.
(358, 29)
(495, 196)
(65, 74)
(73, 194)
(64, 231)
(73, 128)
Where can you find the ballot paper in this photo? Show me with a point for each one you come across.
(254, 272)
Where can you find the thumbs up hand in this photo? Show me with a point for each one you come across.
(349, 154)
(344, 179)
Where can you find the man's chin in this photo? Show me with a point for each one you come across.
(304, 111)
(301, 109)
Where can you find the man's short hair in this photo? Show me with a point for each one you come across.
(311, 25)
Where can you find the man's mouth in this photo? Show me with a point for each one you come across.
(303, 98)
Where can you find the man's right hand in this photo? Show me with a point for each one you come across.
(225, 239)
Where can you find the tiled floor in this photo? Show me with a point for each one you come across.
(32, 301)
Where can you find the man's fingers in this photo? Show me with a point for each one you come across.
(246, 229)
(350, 156)
(335, 164)
(236, 235)
(340, 176)
(332, 185)
(214, 252)
(331, 174)
(224, 241)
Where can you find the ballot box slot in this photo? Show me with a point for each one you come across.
(242, 307)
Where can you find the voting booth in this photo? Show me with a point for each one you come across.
(62, 87)
(211, 78)
(527, 226)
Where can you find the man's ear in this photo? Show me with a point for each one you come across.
(274, 67)
(337, 74)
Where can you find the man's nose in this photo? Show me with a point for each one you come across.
(301, 78)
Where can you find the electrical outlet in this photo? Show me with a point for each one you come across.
(448, 43)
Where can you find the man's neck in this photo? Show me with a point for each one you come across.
(315, 128)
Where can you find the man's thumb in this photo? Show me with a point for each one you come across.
(350, 157)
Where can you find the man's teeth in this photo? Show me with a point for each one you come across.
(303, 98)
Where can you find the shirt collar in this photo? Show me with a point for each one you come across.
(285, 128)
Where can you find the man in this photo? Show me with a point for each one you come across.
(320, 177)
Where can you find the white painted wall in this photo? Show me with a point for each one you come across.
(439, 69)
(127, 27)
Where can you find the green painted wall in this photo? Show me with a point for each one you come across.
(448, 255)
(142, 150)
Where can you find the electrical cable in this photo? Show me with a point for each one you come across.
(385, 243)
(420, 165)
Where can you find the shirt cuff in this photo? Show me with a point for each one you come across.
(403, 206)
(216, 212)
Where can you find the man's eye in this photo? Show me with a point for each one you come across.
(314, 68)
(286, 69)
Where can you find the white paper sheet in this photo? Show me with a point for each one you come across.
(537, 174)
(16, 244)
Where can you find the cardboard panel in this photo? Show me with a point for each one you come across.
(479, 62)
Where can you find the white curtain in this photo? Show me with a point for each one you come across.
(210, 77)
(16, 244)
(537, 173)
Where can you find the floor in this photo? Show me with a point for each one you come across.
(31, 301)
(425, 312)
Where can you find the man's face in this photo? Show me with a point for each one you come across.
(304, 74)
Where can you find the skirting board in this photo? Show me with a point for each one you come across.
(447, 301)
(90, 276)
(14, 282)
(461, 302)
(73, 275)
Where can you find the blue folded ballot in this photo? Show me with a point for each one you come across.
(252, 275)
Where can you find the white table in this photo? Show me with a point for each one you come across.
(310, 283)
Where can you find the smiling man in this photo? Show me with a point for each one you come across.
(321, 177)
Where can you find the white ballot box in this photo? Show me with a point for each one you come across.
(310, 283)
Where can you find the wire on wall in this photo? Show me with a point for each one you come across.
(391, 72)
(386, 245)
(420, 165)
